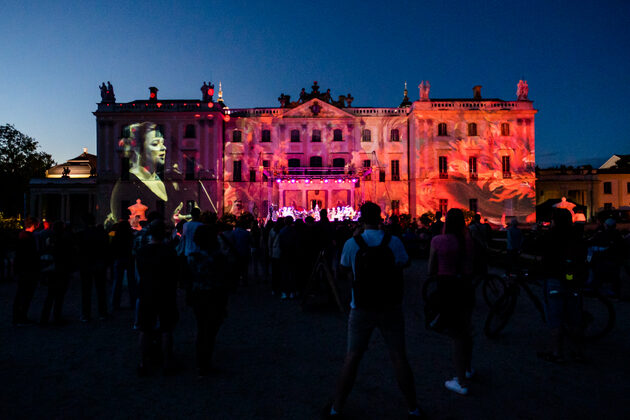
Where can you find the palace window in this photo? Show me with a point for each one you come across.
(252, 175)
(190, 168)
(472, 205)
(266, 136)
(505, 129)
(472, 129)
(395, 206)
(295, 136)
(337, 135)
(381, 175)
(442, 131)
(443, 167)
(366, 135)
(316, 162)
(160, 130)
(367, 166)
(236, 173)
(505, 167)
(294, 163)
(265, 170)
(317, 136)
(444, 206)
(395, 135)
(395, 170)
(628, 187)
(472, 167)
(607, 187)
(236, 136)
(190, 132)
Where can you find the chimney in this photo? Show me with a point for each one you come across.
(477, 92)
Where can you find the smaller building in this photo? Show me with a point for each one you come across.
(603, 188)
(67, 192)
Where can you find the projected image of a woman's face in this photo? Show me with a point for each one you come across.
(154, 148)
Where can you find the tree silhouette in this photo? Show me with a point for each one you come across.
(19, 162)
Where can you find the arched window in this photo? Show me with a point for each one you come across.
(339, 162)
(337, 135)
(295, 136)
(442, 129)
(190, 132)
(366, 135)
(472, 129)
(505, 129)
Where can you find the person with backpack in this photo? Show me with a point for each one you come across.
(451, 260)
(210, 289)
(373, 261)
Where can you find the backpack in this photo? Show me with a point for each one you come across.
(378, 283)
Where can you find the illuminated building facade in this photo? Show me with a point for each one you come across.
(318, 152)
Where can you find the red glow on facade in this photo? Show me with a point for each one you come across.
(197, 115)
(210, 104)
(226, 118)
(152, 95)
(159, 104)
(210, 92)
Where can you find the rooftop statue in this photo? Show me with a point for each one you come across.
(425, 88)
(107, 92)
(522, 90)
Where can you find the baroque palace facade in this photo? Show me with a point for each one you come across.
(318, 152)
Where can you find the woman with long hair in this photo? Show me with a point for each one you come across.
(451, 260)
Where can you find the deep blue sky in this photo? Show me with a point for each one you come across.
(574, 55)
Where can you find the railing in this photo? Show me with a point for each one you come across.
(493, 105)
(313, 172)
(377, 112)
(192, 106)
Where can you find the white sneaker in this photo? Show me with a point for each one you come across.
(454, 386)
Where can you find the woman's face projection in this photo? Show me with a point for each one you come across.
(154, 147)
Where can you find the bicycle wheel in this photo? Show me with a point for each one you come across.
(597, 317)
(493, 288)
(429, 286)
(500, 314)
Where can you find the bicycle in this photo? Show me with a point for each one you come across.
(598, 314)
(493, 287)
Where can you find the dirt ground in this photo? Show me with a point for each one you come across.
(279, 362)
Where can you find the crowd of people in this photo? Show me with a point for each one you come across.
(211, 257)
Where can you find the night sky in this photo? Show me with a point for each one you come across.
(574, 55)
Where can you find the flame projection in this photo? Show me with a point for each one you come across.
(318, 152)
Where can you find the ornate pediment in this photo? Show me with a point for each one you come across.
(344, 101)
(316, 108)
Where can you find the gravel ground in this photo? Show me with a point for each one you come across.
(278, 362)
